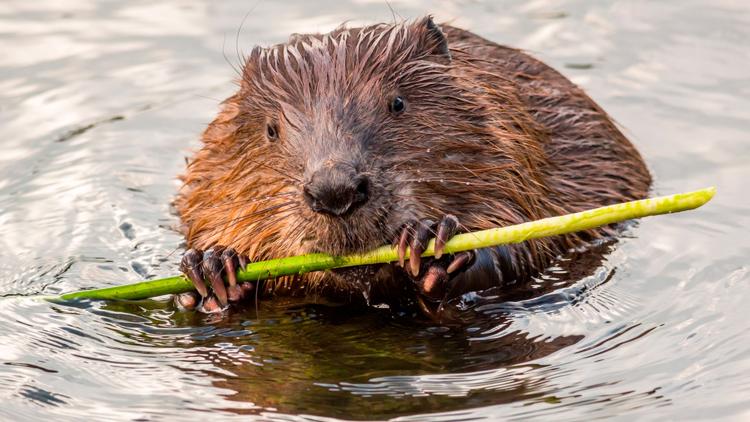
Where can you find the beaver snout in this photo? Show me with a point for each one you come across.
(336, 190)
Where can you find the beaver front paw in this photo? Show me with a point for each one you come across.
(433, 277)
(212, 265)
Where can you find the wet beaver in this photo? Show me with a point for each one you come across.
(395, 133)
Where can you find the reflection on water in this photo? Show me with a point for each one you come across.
(99, 103)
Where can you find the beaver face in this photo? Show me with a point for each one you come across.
(346, 122)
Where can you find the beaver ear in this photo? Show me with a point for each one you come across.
(433, 39)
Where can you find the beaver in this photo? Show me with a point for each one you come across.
(395, 133)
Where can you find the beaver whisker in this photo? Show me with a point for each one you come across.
(270, 209)
(240, 57)
(285, 174)
(247, 170)
(251, 200)
(470, 182)
(269, 223)
(275, 219)
(474, 182)
(463, 169)
(258, 213)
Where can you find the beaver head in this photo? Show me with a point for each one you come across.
(334, 141)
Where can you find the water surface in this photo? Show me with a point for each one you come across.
(101, 101)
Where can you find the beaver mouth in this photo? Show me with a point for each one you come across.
(357, 232)
(342, 241)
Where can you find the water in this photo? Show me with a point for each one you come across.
(100, 102)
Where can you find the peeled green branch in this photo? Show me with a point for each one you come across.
(463, 242)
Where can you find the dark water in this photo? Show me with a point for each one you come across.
(100, 101)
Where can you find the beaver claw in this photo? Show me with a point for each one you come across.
(416, 234)
(212, 265)
(435, 283)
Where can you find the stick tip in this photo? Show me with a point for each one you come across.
(707, 193)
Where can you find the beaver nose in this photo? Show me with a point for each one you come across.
(336, 190)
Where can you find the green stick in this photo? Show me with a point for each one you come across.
(463, 242)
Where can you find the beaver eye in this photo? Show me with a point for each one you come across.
(397, 105)
(272, 132)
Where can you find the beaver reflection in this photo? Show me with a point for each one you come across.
(356, 363)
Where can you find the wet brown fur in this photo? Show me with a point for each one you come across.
(490, 135)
